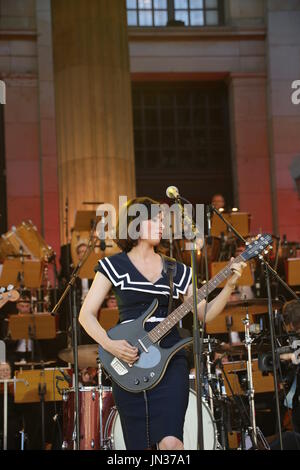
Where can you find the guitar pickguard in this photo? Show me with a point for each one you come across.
(149, 359)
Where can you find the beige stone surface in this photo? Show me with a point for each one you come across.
(245, 12)
(93, 104)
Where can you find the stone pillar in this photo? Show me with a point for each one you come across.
(249, 142)
(93, 103)
(47, 138)
(283, 52)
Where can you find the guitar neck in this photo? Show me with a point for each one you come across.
(173, 318)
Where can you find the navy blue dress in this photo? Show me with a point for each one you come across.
(147, 420)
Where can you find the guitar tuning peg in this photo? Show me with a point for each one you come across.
(10, 287)
(266, 252)
(2, 290)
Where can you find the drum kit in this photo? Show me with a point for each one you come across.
(227, 387)
(100, 423)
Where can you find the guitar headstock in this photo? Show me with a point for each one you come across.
(257, 246)
(11, 295)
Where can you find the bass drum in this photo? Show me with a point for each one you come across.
(114, 434)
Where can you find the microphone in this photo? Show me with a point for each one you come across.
(172, 192)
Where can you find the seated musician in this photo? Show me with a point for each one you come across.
(218, 201)
(24, 346)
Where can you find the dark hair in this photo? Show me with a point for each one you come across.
(152, 209)
(291, 310)
(25, 296)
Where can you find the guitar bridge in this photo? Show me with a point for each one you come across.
(117, 365)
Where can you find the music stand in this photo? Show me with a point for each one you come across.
(236, 310)
(87, 270)
(81, 232)
(108, 317)
(293, 271)
(246, 278)
(35, 377)
(32, 270)
(34, 326)
(22, 325)
(239, 220)
(84, 220)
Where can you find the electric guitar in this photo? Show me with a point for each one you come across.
(153, 360)
(9, 296)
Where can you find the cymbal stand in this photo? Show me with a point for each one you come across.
(104, 443)
(100, 389)
(209, 375)
(250, 388)
(253, 430)
(74, 324)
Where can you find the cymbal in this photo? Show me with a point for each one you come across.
(240, 349)
(87, 355)
(255, 306)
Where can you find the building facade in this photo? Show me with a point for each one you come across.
(212, 110)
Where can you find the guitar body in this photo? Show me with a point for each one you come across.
(147, 372)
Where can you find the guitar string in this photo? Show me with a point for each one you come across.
(146, 340)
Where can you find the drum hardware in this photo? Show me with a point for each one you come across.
(74, 319)
(253, 430)
(209, 375)
(104, 443)
(217, 397)
(250, 391)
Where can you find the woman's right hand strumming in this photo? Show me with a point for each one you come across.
(122, 350)
(88, 319)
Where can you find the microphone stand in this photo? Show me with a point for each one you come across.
(268, 270)
(198, 347)
(73, 314)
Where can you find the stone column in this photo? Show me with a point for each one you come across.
(93, 103)
(250, 148)
(283, 49)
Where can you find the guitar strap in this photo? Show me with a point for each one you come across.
(170, 268)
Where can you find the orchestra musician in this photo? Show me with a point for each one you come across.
(291, 312)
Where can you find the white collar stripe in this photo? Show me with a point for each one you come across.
(125, 283)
